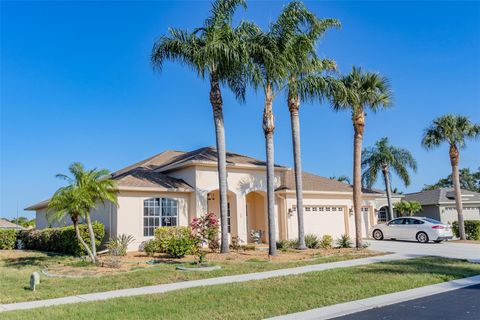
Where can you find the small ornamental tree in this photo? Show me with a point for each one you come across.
(204, 233)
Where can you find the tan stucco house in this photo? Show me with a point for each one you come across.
(173, 187)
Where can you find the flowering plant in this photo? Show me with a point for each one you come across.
(204, 231)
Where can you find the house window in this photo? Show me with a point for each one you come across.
(327, 209)
(159, 212)
(321, 209)
(382, 215)
(307, 208)
(314, 208)
(228, 218)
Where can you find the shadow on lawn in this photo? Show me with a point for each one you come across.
(426, 265)
(31, 261)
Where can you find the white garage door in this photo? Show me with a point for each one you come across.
(321, 220)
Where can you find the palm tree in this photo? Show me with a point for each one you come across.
(214, 51)
(70, 201)
(343, 178)
(408, 207)
(305, 82)
(362, 90)
(383, 157)
(86, 188)
(453, 129)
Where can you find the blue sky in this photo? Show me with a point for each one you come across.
(77, 85)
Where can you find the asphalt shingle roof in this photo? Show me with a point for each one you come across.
(4, 224)
(443, 195)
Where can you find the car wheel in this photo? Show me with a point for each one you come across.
(377, 235)
(422, 237)
(437, 241)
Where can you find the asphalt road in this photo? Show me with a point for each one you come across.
(461, 304)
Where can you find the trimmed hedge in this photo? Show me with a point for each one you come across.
(60, 240)
(177, 242)
(8, 238)
(472, 229)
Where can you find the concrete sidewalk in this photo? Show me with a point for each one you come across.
(198, 283)
(346, 308)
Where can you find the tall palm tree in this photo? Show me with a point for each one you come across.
(71, 201)
(362, 90)
(454, 130)
(306, 81)
(383, 157)
(90, 187)
(214, 51)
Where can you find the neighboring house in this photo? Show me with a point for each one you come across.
(439, 204)
(4, 224)
(381, 203)
(173, 187)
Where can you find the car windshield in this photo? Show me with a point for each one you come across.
(432, 221)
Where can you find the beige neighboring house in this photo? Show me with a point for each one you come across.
(173, 187)
(4, 224)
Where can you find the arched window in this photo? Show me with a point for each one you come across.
(382, 214)
(159, 212)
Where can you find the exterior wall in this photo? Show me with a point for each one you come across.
(129, 216)
(448, 213)
(334, 223)
(429, 211)
(240, 182)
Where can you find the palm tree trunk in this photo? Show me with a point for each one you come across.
(388, 190)
(217, 106)
(454, 159)
(82, 242)
(268, 128)
(358, 126)
(91, 234)
(293, 106)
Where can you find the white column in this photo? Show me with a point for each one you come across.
(242, 218)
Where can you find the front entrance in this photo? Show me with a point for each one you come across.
(256, 207)
(213, 205)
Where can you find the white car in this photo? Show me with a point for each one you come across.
(412, 228)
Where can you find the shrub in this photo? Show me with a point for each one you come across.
(7, 239)
(326, 242)
(118, 245)
(283, 245)
(344, 241)
(235, 243)
(472, 229)
(177, 242)
(151, 247)
(204, 231)
(311, 241)
(60, 240)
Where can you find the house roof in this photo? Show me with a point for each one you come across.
(4, 224)
(208, 155)
(145, 178)
(442, 195)
(312, 182)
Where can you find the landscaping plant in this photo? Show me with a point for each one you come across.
(8, 238)
(312, 241)
(472, 229)
(326, 242)
(151, 247)
(204, 232)
(61, 240)
(118, 245)
(344, 241)
(177, 242)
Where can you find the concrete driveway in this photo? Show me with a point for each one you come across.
(445, 249)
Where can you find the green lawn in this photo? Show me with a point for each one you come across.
(266, 298)
(15, 272)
